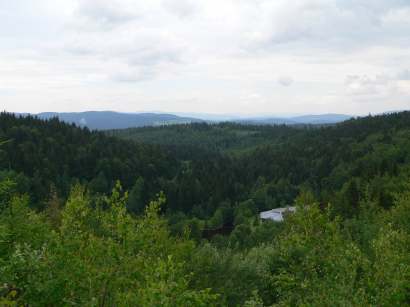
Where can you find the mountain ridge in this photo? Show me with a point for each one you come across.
(111, 120)
(107, 120)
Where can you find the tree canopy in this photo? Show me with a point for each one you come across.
(169, 216)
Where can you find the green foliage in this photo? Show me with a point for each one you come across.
(99, 184)
(7, 188)
(99, 256)
(135, 203)
(200, 166)
(185, 139)
(346, 245)
(389, 276)
(314, 259)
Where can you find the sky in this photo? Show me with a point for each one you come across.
(210, 56)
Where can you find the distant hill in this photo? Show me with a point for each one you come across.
(321, 119)
(266, 121)
(107, 120)
(207, 137)
(304, 119)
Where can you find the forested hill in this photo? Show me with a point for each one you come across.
(51, 153)
(200, 165)
(226, 136)
(104, 120)
(222, 137)
(70, 233)
(353, 154)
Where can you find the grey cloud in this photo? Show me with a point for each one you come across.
(152, 55)
(334, 24)
(106, 13)
(181, 8)
(79, 49)
(141, 51)
(404, 75)
(285, 80)
(132, 75)
(374, 5)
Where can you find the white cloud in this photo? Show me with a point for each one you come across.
(366, 85)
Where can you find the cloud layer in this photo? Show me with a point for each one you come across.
(205, 55)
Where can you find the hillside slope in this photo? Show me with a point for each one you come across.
(70, 233)
(105, 120)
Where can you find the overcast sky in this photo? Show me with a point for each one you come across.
(215, 56)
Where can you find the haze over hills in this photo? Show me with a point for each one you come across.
(303, 119)
(108, 120)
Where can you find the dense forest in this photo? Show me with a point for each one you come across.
(168, 216)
